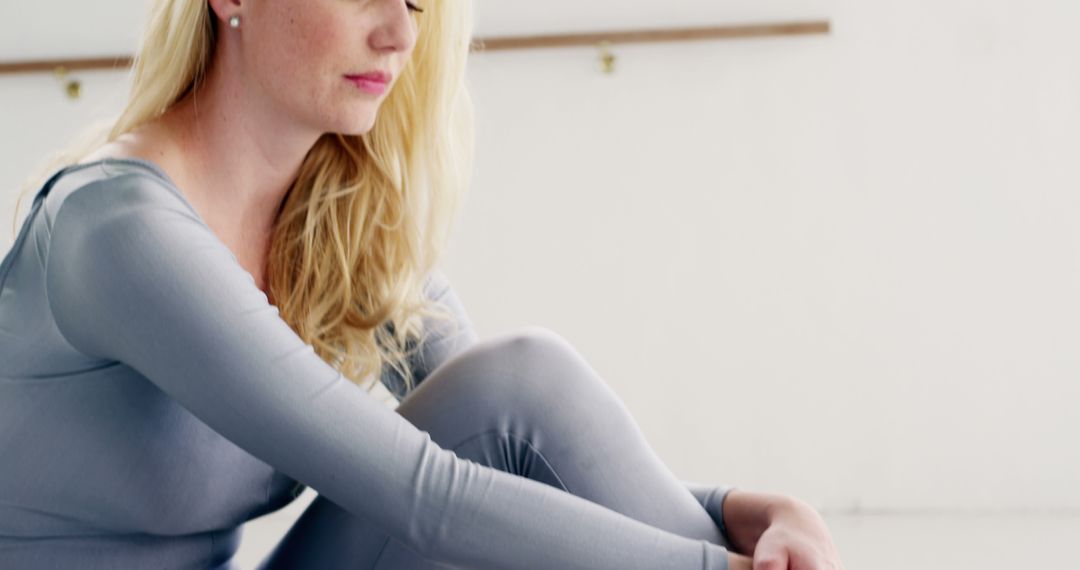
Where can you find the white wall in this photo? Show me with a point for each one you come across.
(843, 267)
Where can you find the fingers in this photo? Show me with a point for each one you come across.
(739, 562)
(770, 558)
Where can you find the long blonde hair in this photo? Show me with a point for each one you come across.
(367, 218)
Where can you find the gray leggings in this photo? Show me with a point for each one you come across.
(560, 425)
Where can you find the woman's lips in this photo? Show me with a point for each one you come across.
(369, 82)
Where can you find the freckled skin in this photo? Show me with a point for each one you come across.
(297, 52)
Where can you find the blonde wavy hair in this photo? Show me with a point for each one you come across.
(366, 220)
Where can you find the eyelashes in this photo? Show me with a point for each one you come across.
(413, 7)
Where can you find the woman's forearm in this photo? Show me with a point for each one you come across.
(747, 514)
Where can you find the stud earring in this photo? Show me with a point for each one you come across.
(234, 22)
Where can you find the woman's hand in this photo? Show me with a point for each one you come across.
(781, 532)
(796, 539)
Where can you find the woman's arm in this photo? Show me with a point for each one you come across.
(448, 338)
(798, 529)
(134, 277)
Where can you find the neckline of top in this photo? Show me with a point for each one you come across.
(130, 160)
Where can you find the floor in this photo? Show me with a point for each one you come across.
(866, 542)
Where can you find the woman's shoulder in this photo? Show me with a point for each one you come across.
(117, 185)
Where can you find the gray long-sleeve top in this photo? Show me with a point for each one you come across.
(152, 400)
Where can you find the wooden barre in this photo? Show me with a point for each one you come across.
(653, 35)
(481, 45)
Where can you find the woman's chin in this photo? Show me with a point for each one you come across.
(355, 128)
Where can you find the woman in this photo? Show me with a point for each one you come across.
(196, 297)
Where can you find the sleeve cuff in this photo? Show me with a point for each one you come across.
(715, 507)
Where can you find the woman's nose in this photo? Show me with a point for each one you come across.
(395, 30)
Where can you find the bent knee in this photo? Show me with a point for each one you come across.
(530, 372)
(533, 347)
(535, 342)
(535, 360)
